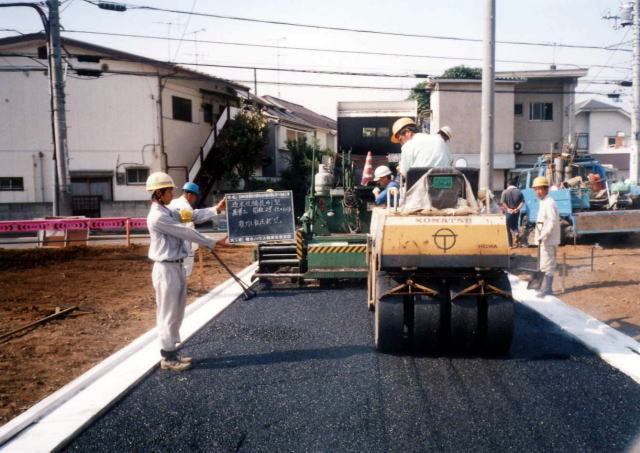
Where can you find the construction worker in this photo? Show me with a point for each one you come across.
(184, 205)
(383, 176)
(419, 149)
(547, 233)
(445, 133)
(167, 248)
(512, 202)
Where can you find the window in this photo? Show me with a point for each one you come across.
(611, 142)
(207, 111)
(181, 108)
(295, 135)
(517, 109)
(368, 131)
(11, 184)
(137, 175)
(383, 132)
(582, 141)
(541, 111)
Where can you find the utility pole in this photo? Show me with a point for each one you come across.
(255, 81)
(635, 112)
(488, 95)
(59, 112)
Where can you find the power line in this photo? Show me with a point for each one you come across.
(343, 51)
(300, 84)
(359, 30)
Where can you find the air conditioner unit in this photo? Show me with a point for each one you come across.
(517, 147)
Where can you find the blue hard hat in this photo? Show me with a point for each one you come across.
(191, 187)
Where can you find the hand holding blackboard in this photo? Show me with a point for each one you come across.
(221, 206)
(260, 217)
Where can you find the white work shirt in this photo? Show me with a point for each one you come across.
(197, 215)
(169, 236)
(424, 150)
(548, 222)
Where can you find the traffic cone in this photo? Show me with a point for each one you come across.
(367, 173)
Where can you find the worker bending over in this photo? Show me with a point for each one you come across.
(383, 176)
(419, 149)
(190, 217)
(167, 249)
(547, 233)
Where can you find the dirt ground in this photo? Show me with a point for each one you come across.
(112, 286)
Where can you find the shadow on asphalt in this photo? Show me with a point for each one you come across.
(291, 356)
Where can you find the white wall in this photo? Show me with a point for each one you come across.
(607, 124)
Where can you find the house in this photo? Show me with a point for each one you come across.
(604, 130)
(533, 113)
(290, 121)
(127, 116)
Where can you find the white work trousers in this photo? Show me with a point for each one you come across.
(170, 283)
(188, 265)
(547, 257)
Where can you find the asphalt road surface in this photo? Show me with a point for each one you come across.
(296, 370)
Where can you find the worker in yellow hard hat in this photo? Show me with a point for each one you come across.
(547, 233)
(419, 149)
(167, 249)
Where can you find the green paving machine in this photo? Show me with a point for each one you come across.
(331, 237)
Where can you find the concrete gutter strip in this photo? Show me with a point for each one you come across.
(58, 418)
(614, 347)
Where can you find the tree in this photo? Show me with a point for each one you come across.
(297, 176)
(462, 72)
(241, 145)
(420, 94)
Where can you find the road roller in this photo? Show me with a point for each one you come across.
(437, 280)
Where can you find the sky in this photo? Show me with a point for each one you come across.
(551, 22)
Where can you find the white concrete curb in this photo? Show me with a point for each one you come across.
(63, 414)
(612, 346)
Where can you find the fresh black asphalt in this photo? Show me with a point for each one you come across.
(295, 370)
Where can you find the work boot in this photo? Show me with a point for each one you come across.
(175, 365)
(183, 359)
(547, 286)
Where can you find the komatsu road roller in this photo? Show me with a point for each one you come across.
(437, 265)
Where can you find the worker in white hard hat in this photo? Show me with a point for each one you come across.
(191, 217)
(419, 149)
(167, 249)
(385, 183)
(547, 234)
(445, 133)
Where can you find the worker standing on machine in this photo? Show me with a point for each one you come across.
(167, 249)
(419, 149)
(547, 233)
(190, 217)
(383, 176)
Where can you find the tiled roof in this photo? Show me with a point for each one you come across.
(308, 116)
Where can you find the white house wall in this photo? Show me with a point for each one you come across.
(537, 136)
(607, 124)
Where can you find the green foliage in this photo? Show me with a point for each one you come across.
(241, 144)
(419, 94)
(462, 72)
(297, 177)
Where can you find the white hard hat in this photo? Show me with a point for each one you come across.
(159, 180)
(381, 172)
(446, 130)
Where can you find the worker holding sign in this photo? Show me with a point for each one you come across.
(190, 217)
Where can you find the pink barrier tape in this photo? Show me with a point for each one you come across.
(13, 226)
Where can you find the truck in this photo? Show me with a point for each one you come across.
(589, 200)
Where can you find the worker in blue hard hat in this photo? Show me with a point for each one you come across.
(190, 217)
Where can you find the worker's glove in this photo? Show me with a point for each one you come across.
(376, 192)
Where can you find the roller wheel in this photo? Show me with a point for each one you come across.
(429, 322)
(500, 313)
(465, 320)
(389, 316)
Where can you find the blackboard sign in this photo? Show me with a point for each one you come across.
(260, 216)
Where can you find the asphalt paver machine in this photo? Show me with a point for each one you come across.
(437, 277)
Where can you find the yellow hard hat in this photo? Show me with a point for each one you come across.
(159, 180)
(540, 181)
(397, 127)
